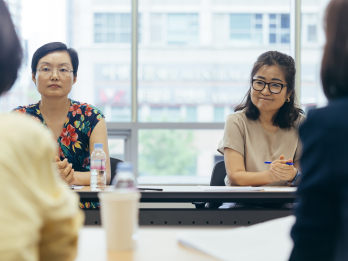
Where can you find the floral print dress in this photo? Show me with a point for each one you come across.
(73, 142)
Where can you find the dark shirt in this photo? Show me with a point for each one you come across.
(321, 228)
(73, 142)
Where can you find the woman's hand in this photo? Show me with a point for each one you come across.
(65, 170)
(281, 170)
(273, 176)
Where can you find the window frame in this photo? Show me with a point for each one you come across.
(131, 129)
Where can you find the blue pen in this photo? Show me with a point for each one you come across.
(288, 163)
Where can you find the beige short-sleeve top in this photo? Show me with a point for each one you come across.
(257, 145)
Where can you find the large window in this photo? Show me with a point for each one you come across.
(252, 29)
(112, 28)
(279, 28)
(193, 68)
(174, 28)
(182, 28)
(246, 28)
(189, 155)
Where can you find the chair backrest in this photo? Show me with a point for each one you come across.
(113, 164)
(218, 175)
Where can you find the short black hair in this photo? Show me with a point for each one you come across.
(52, 47)
(287, 114)
(10, 50)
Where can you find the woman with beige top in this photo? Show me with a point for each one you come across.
(265, 127)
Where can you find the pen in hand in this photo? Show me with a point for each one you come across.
(288, 163)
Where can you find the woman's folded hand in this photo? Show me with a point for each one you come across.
(65, 170)
(283, 171)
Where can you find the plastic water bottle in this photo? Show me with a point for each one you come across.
(124, 179)
(98, 168)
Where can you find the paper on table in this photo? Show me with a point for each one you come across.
(228, 188)
(76, 187)
(276, 189)
(266, 241)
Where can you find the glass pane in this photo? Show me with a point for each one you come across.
(101, 36)
(312, 33)
(188, 152)
(156, 28)
(272, 38)
(312, 44)
(219, 114)
(191, 114)
(285, 38)
(111, 21)
(285, 21)
(182, 28)
(116, 148)
(111, 38)
(26, 17)
(199, 57)
(240, 21)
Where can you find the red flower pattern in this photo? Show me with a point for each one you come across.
(85, 162)
(88, 111)
(89, 133)
(75, 108)
(68, 135)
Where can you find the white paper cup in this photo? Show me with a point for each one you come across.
(119, 215)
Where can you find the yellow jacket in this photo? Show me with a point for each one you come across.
(39, 215)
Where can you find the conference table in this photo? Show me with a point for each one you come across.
(153, 244)
(265, 241)
(173, 206)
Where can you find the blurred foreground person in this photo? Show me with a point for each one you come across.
(39, 217)
(321, 228)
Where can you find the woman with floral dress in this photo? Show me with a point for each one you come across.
(74, 125)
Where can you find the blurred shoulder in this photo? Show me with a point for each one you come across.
(331, 116)
(327, 122)
(23, 128)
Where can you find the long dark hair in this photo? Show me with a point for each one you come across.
(334, 66)
(10, 50)
(52, 47)
(287, 114)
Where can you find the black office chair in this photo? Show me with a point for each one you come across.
(217, 179)
(113, 164)
(218, 175)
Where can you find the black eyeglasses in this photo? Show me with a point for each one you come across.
(273, 87)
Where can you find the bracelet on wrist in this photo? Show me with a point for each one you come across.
(291, 183)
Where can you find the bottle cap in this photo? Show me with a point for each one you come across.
(124, 166)
(98, 146)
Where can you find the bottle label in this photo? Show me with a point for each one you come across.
(98, 164)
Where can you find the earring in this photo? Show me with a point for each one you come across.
(288, 100)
